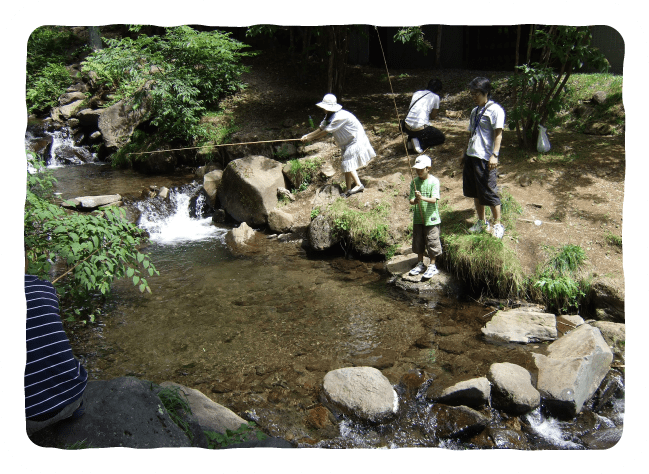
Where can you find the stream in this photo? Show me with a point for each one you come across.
(257, 333)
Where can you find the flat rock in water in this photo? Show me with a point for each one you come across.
(472, 393)
(572, 371)
(361, 392)
(512, 389)
(520, 326)
(88, 203)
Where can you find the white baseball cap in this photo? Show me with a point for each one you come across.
(422, 161)
(330, 103)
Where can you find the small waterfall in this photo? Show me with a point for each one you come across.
(56, 148)
(64, 151)
(168, 221)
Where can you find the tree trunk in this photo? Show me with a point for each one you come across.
(438, 46)
(95, 38)
(337, 59)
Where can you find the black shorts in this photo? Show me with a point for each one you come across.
(479, 182)
(428, 136)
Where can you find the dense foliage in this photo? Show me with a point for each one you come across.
(94, 248)
(180, 74)
(48, 49)
(539, 85)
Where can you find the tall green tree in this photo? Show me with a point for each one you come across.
(539, 84)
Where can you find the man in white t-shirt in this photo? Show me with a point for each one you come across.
(481, 158)
(424, 106)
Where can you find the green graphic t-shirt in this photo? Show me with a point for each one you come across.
(428, 188)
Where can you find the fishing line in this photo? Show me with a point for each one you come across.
(216, 146)
(421, 211)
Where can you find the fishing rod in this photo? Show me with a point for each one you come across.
(216, 146)
(412, 176)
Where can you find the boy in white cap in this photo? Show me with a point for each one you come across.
(349, 136)
(424, 194)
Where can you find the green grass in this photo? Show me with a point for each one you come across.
(303, 172)
(246, 432)
(364, 228)
(559, 281)
(176, 405)
(614, 240)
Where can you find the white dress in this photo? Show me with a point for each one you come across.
(351, 138)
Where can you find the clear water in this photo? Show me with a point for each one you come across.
(257, 332)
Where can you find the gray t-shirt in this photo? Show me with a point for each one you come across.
(481, 144)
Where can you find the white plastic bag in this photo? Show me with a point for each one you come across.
(542, 144)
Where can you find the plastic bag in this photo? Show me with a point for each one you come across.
(543, 144)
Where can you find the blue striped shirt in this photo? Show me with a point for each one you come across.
(53, 377)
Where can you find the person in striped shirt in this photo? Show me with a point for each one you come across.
(424, 194)
(54, 380)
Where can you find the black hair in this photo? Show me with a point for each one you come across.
(434, 85)
(481, 84)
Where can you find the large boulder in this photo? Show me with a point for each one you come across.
(117, 122)
(520, 326)
(123, 412)
(248, 189)
(512, 389)
(361, 392)
(572, 371)
(472, 393)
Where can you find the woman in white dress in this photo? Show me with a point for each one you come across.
(349, 135)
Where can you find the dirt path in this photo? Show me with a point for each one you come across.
(576, 191)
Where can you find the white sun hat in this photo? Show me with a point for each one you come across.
(422, 161)
(329, 103)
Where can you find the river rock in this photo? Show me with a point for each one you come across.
(248, 189)
(123, 412)
(520, 326)
(361, 392)
(210, 415)
(71, 109)
(572, 371)
(280, 221)
(89, 119)
(237, 238)
(69, 97)
(201, 171)
(512, 390)
(321, 236)
(472, 393)
(211, 182)
(603, 438)
(456, 422)
(326, 195)
(608, 300)
(400, 264)
(155, 163)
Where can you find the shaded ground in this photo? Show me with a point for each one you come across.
(576, 190)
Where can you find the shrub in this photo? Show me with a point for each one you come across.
(304, 171)
(183, 73)
(47, 87)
